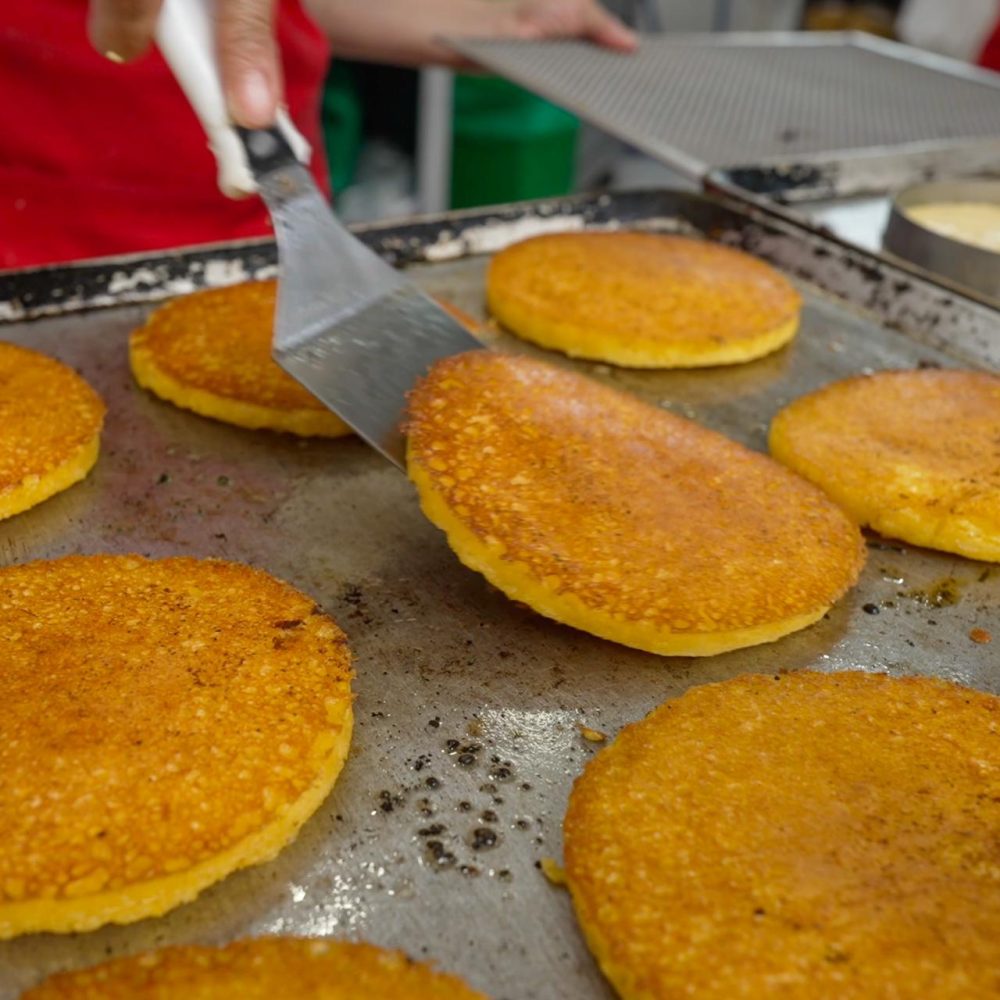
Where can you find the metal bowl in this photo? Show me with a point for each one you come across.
(962, 263)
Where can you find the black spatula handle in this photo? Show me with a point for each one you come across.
(267, 149)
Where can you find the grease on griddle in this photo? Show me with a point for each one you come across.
(941, 593)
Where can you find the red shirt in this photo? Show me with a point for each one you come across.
(990, 54)
(98, 158)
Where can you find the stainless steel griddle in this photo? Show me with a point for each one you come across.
(468, 706)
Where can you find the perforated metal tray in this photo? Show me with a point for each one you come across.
(704, 101)
(468, 705)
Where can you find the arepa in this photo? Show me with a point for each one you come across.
(210, 352)
(50, 428)
(913, 454)
(642, 300)
(165, 722)
(803, 835)
(616, 517)
(260, 969)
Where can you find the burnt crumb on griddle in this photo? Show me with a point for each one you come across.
(471, 870)
(483, 838)
(464, 806)
(941, 594)
(439, 854)
(465, 754)
(389, 801)
(353, 594)
(435, 723)
(434, 830)
(871, 609)
(432, 782)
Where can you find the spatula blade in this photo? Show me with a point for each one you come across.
(348, 326)
(363, 364)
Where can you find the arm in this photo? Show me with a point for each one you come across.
(407, 32)
(403, 31)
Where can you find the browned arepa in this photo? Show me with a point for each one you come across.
(210, 352)
(50, 428)
(806, 835)
(617, 517)
(642, 300)
(166, 722)
(260, 969)
(913, 454)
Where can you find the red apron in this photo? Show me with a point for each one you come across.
(99, 159)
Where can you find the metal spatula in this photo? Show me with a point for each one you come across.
(348, 326)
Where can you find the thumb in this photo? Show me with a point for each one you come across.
(248, 60)
(122, 29)
(604, 29)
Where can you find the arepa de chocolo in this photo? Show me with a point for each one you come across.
(798, 836)
(913, 454)
(643, 300)
(165, 723)
(50, 428)
(210, 352)
(261, 969)
(614, 516)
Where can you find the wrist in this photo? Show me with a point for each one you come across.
(473, 19)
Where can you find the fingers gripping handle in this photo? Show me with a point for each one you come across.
(185, 36)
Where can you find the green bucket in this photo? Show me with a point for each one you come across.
(342, 124)
(508, 144)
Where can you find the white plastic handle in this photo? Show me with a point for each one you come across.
(185, 36)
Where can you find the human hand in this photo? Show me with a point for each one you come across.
(536, 19)
(244, 34)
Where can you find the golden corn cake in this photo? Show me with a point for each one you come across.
(165, 722)
(642, 300)
(913, 454)
(210, 352)
(261, 969)
(50, 428)
(616, 517)
(800, 836)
